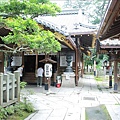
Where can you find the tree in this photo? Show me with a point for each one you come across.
(94, 9)
(19, 16)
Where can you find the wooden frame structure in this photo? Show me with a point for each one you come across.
(110, 29)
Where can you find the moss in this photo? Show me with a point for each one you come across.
(86, 116)
(103, 107)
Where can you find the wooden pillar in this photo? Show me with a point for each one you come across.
(82, 69)
(36, 63)
(76, 67)
(22, 57)
(110, 75)
(58, 63)
(1, 62)
(115, 76)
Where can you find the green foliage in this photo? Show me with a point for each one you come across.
(101, 61)
(89, 59)
(26, 32)
(29, 7)
(100, 78)
(10, 110)
(3, 113)
(23, 84)
(16, 110)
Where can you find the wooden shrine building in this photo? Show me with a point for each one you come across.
(108, 38)
(76, 37)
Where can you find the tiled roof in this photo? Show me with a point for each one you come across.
(67, 22)
(108, 42)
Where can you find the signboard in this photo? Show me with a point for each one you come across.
(48, 70)
(16, 61)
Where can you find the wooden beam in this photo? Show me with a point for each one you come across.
(2, 62)
(60, 37)
(63, 39)
(94, 40)
(109, 17)
(111, 34)
(113, 13)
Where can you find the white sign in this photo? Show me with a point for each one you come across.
(17, 61)
(48, 70)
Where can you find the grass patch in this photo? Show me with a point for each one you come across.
(15, 116)
(86, 116)
(89, 73)
(100, 78)
(18, 111)
(117, 104)
(103, 107)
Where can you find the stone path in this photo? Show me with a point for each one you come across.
(70, 103)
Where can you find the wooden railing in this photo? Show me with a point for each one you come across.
(9, 88)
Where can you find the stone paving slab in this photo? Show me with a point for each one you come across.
(114, 111)
(70, 103)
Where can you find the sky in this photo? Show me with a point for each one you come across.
(59, 2)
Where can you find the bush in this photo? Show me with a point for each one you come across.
(10, 110)
(16, 110)
(23, 84)
(3, 113)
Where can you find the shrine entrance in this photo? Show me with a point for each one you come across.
(29, 62)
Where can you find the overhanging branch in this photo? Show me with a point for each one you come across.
(14, 50)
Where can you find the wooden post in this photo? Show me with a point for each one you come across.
(55, 76)
(1, 88)
(110, 75)
(115, 76)
(6, 80)
(58, 63)
(36, 65)
(82, 70)
(17, 77)
(23, 57)
(2, 62)
(12, 91)
(49, 83)
(76, 67)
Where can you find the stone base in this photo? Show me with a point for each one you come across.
(68, 79)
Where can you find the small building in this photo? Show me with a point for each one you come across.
(76, 36)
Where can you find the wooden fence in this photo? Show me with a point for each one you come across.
(9, 88)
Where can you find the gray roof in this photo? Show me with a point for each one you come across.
(67, 22)
(108, 42)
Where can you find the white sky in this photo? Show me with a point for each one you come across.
(59, 2)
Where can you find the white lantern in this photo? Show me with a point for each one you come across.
(48, 70)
